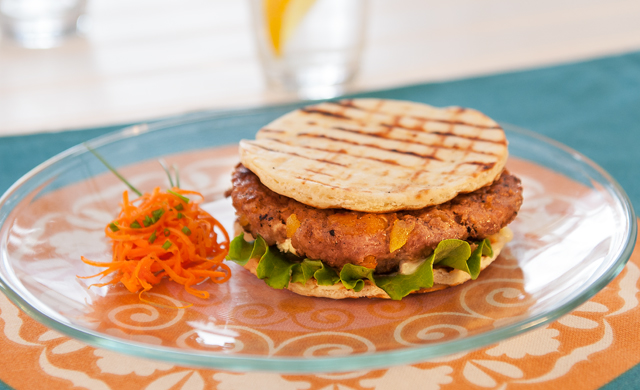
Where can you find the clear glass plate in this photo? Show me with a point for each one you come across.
(574, 233)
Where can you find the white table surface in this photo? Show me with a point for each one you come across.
(148, 59)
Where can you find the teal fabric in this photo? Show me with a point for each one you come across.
(19, 154)
(629, 380)
(592, 106)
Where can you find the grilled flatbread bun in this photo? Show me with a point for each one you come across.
(375, 155)
(442, 277)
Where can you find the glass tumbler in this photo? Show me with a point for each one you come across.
(40, 24)
(310, 47)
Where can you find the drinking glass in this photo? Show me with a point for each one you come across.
(311, 47)
(40, 24)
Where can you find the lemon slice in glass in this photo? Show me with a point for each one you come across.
(283, 17)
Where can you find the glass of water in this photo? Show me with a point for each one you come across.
(40, 24)
(311, 47)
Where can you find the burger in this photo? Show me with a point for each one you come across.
(373, 198)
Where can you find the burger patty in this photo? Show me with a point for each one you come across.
(339, 237)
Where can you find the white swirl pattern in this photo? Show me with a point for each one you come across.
(145, 313)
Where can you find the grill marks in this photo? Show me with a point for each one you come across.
(339, 151)
(306, 179)
(272, 131)
(459, 123)
(325, 113)
(362, 142)
(348, 103)
(475, 139)
(373, 146)
(358, 116)
(351, 131)
(388, 136)
(484, 165)
(316, 172)
(297, 155)
(376, 155)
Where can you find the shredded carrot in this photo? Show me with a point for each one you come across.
(164, 234)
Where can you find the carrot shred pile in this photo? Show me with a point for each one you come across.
(164, 234)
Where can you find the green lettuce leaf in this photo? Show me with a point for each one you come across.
(454, 254)
(450, 253)
(352, 276)
(399, 286)
(278, 270)
(483, 249)
(240, 251)
(298, 275)
(326, 276)
(275, 269)
(487, 250)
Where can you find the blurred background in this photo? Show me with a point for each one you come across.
(139, 60)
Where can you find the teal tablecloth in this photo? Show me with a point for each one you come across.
(593, 107)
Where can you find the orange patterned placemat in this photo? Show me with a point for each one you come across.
(584, 349)
(50, 232)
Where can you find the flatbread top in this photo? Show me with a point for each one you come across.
(376, 155)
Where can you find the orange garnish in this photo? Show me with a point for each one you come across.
(163, 235)
(283, 17)
(400, 233)
(292, 225)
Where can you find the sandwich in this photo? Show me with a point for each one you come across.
(373, 198)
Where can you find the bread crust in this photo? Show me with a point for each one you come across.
(376, 155)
